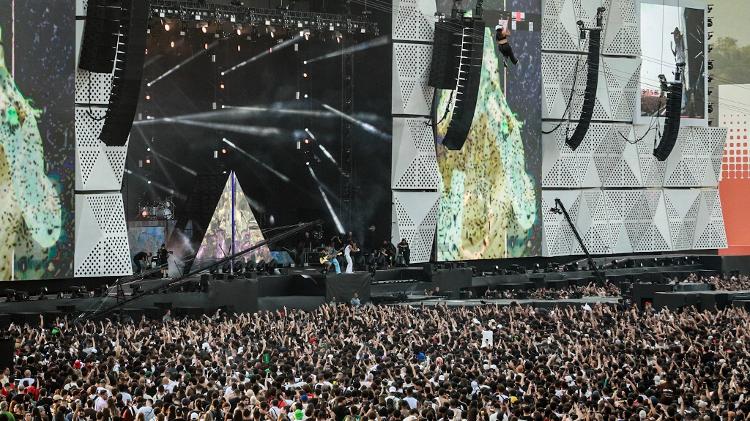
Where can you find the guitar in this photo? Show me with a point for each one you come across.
(326, 258)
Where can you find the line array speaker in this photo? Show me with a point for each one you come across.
(467, 84)
(589, 98)
(671, 123)
(126, 83)
(100, 35)
(445, 55)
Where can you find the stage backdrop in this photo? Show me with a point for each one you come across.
(217, 102)
(37, 63)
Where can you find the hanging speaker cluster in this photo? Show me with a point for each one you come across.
(126, 83)
(589, 97)
(466, 84)
(672, 121)
(100, 35)
(114, 37)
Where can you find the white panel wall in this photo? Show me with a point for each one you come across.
(101, 240)
(620, 197)
(414, 171)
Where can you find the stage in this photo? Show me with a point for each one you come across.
(307, 288)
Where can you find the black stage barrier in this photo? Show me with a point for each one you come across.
(7, 347)
(343, 286)
(452, 279)
(641, 293)
(296, 284)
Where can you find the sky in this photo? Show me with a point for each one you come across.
(731, 19)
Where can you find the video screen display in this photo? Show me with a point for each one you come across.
(490, 189)
(37, 139)
(672, 36)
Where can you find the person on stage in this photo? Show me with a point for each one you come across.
(333, 256)
(141, 261)
(161, 261)
(348, 250)
(402, 258)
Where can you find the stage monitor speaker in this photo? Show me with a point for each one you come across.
(467, 89)
(445, 55)
(7, 348)
(100, 35)
(589, 97)
(126, 83)
(672, 122)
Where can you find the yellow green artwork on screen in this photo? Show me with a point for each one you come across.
(30, 210)
(488, 201)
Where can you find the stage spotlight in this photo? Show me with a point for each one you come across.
(224, 151)
(238, 30)
(204, 27)
(304, 75)
(42, 293)
(167, 27)
(148, 97)
(221, 85)
(171, 44)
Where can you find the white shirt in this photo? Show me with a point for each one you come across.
(148, 412)
(100, 404)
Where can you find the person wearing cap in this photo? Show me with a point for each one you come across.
(501, 37)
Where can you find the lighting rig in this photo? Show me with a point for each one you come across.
(240, 19)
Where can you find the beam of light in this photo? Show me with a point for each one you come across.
(271, 50)
(309, 133)
(323, 194)
(376, 42)
(235, 128)
(183, 62)
(328, 155)
(156, 184)
(363, 125)
(152, 60)
(281, 111)
(267, 167)
(158, 159)
(235, 112)
(173, 162)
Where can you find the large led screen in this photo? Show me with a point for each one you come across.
(672, 35)
(490, 189)
(37, 173)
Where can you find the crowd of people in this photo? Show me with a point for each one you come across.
(343, 362)
(592, 289)
(725, 282)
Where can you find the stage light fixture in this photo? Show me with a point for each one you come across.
(171, 44)
(144, 213)
(304, 75)
(167, 27)
(221, 86)
(238, 30)
(224, 151)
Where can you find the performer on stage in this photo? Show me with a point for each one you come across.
(348, 250)
(162, 256)
(501, 36)
(402, 258)
(332, 255)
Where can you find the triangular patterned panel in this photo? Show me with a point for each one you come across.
(91, 264)
(116, 156)
(86, 161)
(98, 207)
